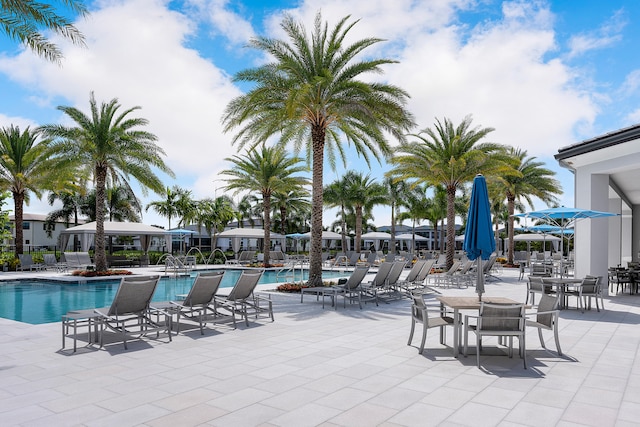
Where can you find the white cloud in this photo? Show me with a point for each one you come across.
(136, 54)
(225, 21)
(604, 36)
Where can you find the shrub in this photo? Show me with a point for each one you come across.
(93, 273)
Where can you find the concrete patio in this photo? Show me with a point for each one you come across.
(345, 367)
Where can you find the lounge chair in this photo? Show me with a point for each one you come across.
(443, 278)
(419, 285)
(408, 282)
(78, 260)
(351, 290)
(392, 284)
(50, 262)
(379, 281)
(246, 257)
(198, 304)
(26, 263)
(130, 313)
(241, 300)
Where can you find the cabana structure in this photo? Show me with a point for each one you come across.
(86, 233)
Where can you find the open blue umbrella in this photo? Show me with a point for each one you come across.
(564, 218)
(479, 243)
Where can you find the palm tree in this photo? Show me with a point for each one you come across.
(450, 156)
(111, 143)
(396, 195)
(368, 193)
(123, 205)
(533, 180)
(243, 209)
(22, 21)
(72, 203)
(289, 204)
(214, 215)
(266, 170)
(167, 207)
(311, 95)
(339, 195)
(186, 207)
(26, 166)
(418, 204)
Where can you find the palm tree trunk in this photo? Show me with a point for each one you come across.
(18, 200)
(451, 226)
(344, 231)
(315, 255)
(511, 202)
(393, 229)
(283, 224)
(358, 228)
(266, 204)
(100, 255)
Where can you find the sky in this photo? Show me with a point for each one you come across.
(543, 74)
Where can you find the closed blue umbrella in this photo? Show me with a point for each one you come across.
(479, 243)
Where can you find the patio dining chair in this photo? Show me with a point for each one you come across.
(535, 285)
(546, 318)
(420, 314)
(501, 320)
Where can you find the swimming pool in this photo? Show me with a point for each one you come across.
(37, 301)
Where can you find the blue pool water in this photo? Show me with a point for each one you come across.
(37, 302)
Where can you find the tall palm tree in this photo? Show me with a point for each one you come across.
(266, 170)
(24, 20)
(417, 203)
(112, 144)
(123, 204)
(339, 195)
(243, 210)
(214, 215)
(186, 207)
(289, 204)
(26, 165)
(450, 156)
(533, 180)
(368, 193)
(312, 94)
(168, 206)
(396, 195)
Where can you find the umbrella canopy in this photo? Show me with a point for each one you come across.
(478, 237)
(546, 228)
(559, 216)
(564, 218)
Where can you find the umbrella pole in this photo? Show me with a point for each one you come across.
(480, 278)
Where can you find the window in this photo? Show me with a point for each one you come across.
(26, 225)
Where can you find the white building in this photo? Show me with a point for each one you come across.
(34, 229)
(607, 178)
